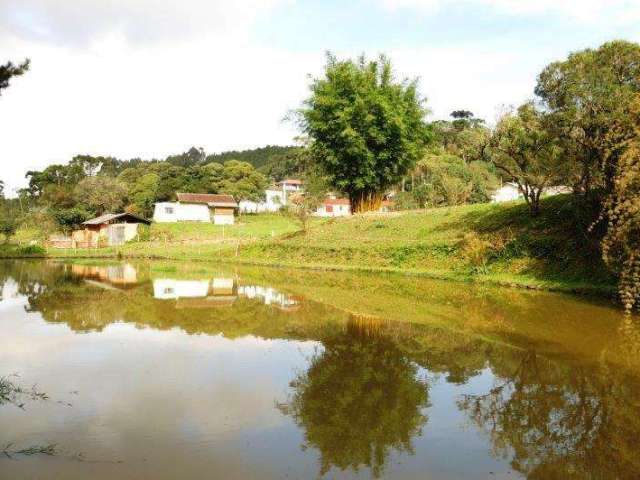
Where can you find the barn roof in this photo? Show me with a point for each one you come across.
(109, 217)
(211, 199)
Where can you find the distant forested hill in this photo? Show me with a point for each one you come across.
(258, 157)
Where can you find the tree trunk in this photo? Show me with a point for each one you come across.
(365, 202)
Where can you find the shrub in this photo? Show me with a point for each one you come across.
(31, 250)
(144, 233)
(476, 251)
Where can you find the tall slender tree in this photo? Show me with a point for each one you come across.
(367, 128)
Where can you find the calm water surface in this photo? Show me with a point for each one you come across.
(165, 371)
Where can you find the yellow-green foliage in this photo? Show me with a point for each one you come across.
(621, 245)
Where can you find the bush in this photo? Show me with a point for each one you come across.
(144, 233)
(70, 218)
(31, 250)
(447, 180)
(476, 251)
(8, 227)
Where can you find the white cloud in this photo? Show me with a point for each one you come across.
(139, 21)
(151, 102)
(622, 11)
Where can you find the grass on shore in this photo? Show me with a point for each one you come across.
(497, 243)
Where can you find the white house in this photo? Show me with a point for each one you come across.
(275, 197)
(507, 193)
(197, 207)
(334, 207)
(274, 200)
(291, 185)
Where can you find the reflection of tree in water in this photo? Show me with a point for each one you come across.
(359, 400)
(556, 421)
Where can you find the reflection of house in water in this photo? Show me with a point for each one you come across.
(217, 292)
(119, 276)
(196, 293)
(269, 296)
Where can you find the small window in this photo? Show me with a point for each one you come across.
(168, 210)
(329, 208)
(168, 291)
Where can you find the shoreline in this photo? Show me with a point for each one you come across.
(602, 291)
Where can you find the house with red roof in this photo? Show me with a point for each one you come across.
(334, 207)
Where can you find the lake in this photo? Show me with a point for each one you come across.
(176, 370)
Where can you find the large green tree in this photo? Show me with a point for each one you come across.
(592, 99)
(100, 194)
(525, 152)
(242, 181)
(588, 96)
(621, 244)
(367, 129)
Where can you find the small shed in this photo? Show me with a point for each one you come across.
(110, 229)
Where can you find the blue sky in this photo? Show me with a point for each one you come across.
(148, 78)
(365, 25)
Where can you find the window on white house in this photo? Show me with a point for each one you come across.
(168, 210)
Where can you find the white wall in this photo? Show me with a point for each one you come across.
(274, 200)
(223, 219)
(506, 193)
(168, 289)
(182, 212)
(338, 211)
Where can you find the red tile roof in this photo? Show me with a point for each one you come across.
(212, 199)
(291, 181)
(336, 201)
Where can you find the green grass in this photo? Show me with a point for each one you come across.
(497, 243)
(247, 227)
(500, 243)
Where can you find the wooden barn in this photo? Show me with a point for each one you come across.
(109, 230)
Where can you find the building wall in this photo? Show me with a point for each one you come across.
(507, 193)
(274, 200)
(223, 216)
(333, 211)
(171, 212)
(130, 232)
(104, 235)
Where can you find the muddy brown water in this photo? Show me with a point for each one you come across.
(166, 371)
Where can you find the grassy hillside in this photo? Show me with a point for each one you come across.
(498, 243)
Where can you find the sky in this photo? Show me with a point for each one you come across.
(150, 78)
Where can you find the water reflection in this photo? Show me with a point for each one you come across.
(373, 376)
(554, 421)
(360, 399)
(122, 275)
(218, 291)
